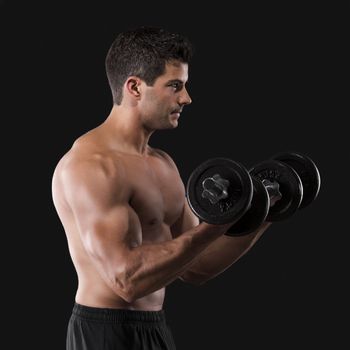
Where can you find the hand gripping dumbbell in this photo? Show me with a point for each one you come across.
(220, 190)
(291, 181)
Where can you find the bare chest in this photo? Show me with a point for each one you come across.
(158, 193)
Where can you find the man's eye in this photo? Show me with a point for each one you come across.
(177, 86)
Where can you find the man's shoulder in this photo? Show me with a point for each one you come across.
(166, 158)
(80, 160)
(162, 154)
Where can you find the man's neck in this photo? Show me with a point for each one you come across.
(125, 128)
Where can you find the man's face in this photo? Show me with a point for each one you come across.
(162, 103)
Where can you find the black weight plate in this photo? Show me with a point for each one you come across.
(256, 214)
(289, 185)
(240, 191)
(308, 173)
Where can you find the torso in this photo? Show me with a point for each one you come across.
(157, 197)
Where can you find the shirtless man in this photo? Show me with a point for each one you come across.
(122, 204)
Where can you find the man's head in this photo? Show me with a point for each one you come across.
(144, 53)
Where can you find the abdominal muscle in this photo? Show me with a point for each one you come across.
(99, 295)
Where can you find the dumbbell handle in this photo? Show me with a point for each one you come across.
(215, 188)
(272, 188)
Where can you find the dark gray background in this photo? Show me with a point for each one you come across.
(264, 79)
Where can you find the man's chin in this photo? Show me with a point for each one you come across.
(169, 126)
(174, 120)
(172, 124)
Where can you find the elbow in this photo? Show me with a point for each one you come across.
(130, 294)
(124, 289)
(120, 285)
(118, 275)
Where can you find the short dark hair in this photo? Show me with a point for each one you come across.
(143, 52)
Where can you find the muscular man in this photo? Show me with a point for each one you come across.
(122, 204)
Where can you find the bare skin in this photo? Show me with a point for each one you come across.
(122, 204)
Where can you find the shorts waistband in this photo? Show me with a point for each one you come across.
(117, 315)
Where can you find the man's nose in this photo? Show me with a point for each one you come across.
(185, 98)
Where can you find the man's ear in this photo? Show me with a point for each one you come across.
(133, 85)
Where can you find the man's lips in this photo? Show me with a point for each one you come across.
(177, 111)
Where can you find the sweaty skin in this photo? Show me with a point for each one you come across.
(122, 204)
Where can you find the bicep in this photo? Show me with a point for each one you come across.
(102, 215)
(185, 222)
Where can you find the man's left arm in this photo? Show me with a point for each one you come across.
(217, 257)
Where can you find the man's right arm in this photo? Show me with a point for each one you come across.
(99, 200)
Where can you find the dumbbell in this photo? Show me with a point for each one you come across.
(219, 191)
(290, 180)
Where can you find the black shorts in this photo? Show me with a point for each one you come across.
(93, 328)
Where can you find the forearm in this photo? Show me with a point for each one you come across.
(220, 255)
(150, 267)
